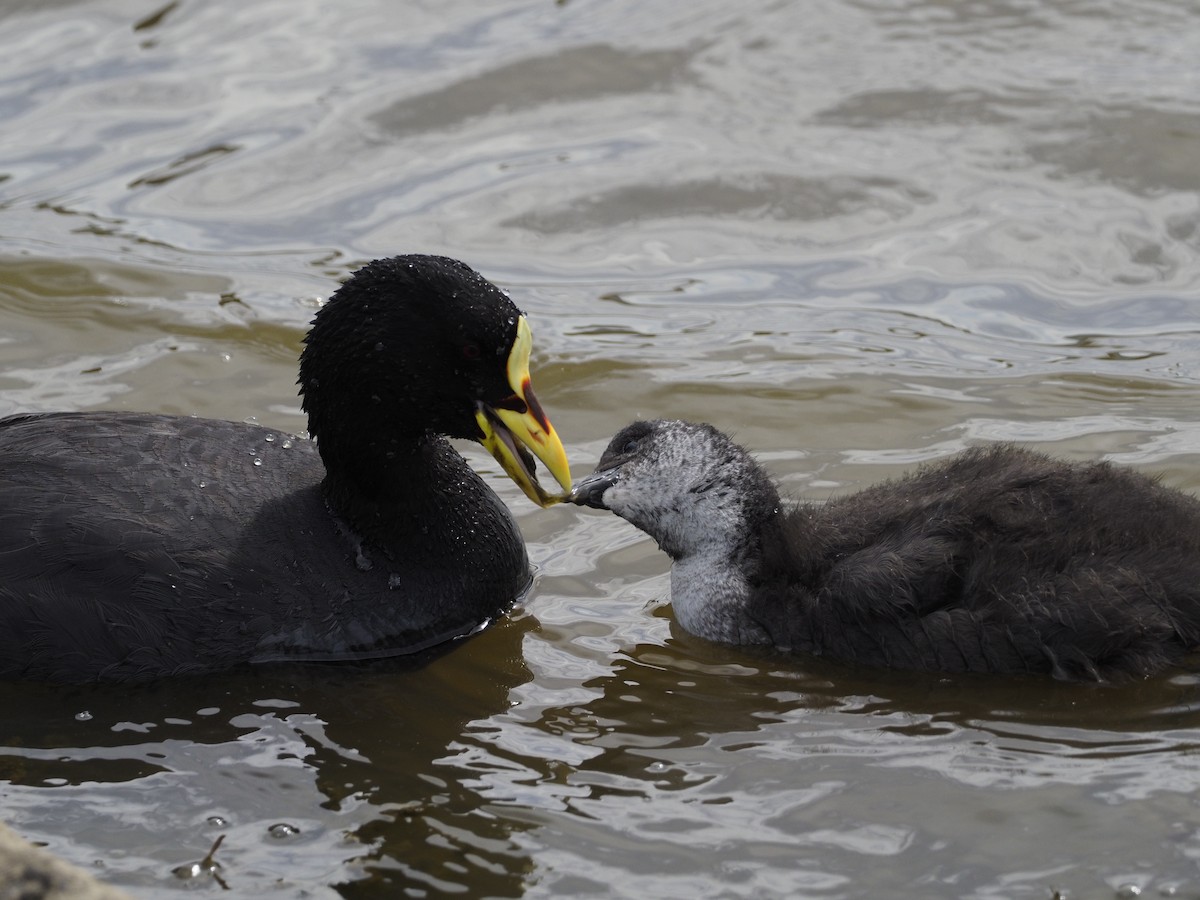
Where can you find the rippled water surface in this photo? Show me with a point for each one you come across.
(860, 234)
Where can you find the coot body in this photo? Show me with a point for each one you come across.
(138, 546)
(997, 560)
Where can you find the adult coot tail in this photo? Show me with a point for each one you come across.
(137, 546)
(997, 560)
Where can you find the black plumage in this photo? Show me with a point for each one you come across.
(136, 545)
(997, 560)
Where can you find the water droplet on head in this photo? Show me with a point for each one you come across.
(287, 444)
(379, 347)
(257, 461)
(270, 438)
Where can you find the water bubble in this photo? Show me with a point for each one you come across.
(1129, 891)
(283, 831)
(206, 868)
(83, 716)
(217, 821)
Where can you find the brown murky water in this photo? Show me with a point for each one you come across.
(860, 234)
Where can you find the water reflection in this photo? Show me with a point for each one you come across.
(813, 768)
(315, 775)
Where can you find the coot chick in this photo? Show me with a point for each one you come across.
(997, 560)
(138, 546)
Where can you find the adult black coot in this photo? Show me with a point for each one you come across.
(997, 560)
(136, 545)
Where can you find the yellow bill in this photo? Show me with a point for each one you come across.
(517, 426)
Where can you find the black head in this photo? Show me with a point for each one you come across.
(418, 345)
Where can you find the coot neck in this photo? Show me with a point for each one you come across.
(712, 586)
(377, 487)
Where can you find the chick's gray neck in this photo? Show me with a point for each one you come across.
(715, 573)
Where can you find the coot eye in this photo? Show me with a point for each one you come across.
(470, 350)
(631, 446)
